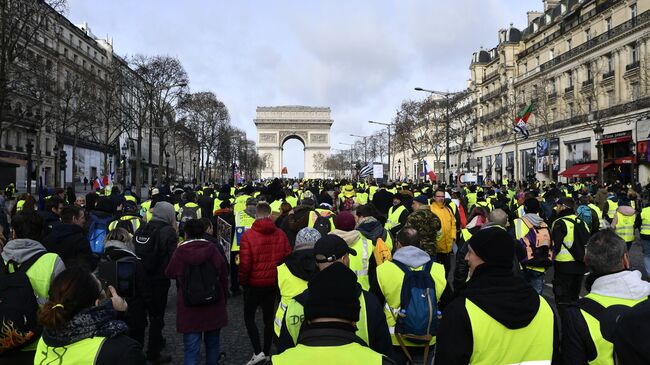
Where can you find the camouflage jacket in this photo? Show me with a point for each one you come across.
(428, 226)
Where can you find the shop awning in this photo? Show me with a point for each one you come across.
(625, 160)
(616, 140)
(12, 162)
(583, 170)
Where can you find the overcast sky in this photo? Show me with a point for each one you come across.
(361, 58)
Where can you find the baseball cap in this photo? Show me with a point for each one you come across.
(331, 248)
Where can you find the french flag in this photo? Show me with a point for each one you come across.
(430, 173)
(98, 184)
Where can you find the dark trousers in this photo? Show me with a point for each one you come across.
(159, 291)
(255, 297)
(566, 289)
(445, 260)
(234, 272)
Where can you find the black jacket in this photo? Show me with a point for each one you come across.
(49, 220)
(383, 200)
(558, 233)
(503, 296)
(136, 316)
(167, 242)
(332, 334)
(295, 222)
(462, 269)
(378, 334)
(69, 241)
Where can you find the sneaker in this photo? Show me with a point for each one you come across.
(256, 359)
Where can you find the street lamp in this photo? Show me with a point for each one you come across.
(209, 171)
(399, 168)
(351, 158)
(446, 95)
(110, 163)
(30, 148)
(365, 156)
(388, 125)
(194, 170)
(167, 155)
(632, 150)
(598, 131)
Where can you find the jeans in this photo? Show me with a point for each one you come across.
(646, 255)
(535, 279)
(192, 344)
(260, 297)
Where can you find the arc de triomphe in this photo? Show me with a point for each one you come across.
(311, 125)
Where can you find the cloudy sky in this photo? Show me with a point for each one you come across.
(361, 58)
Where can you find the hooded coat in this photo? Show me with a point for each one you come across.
(69, 241)
(577, 344)
(206, 317)
(163, 222)
(508, 299)
(262, 249)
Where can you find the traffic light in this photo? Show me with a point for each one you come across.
(63, 158)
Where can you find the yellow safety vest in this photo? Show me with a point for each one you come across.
(275, 206)
(391, 278)
(599, 213)
(625, 226)
(484, 205)
(292, 200)
(243, 221)
(604, 348)
(82, 352)
(295, 315)
(290, 286)
(466, 234)
(240, 203)
(520, 212)
(645, 221)
(360, 263)
(373, 190)
(393, 217)
(19, 205)
(494, 343)
(471, 200)
(352, 353)
(135, 222)
(145, 210)
(314, 215)
(362, 198)
(521, 230)
(611, 208)
(189, 205)
(564, 255)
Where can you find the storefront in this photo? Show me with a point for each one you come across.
(579, 153)
(498, 167)
(544, 160)
(510, 165)
(618, 149)
(528, 157)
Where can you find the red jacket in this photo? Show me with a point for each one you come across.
(262, 249)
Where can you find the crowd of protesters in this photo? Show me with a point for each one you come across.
(344, 272)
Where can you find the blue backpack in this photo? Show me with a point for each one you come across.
(584, 213)
(97, 233)
(417, 320)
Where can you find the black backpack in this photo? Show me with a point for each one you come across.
(201, 284)
(18, 306)
(580, 238)
(147, 244)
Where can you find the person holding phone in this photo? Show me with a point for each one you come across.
(119, 249)
(80, 323)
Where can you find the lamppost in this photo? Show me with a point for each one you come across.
(388, 125)
(110, 164)
(194, 170)
(167, 156)
(399, 168)
(598, 132)
(30, 149)
(365, 156)
(209, 171)
(221, 168)
(351, 158)
(446, 95)
(125, 148)
(632, 150)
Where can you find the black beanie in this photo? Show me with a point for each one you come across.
(495, 246)
(333, 293)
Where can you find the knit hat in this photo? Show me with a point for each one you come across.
(333, 293)
(330, 248)
(494, 245)
(422, 199)
(306, 238)
(345, 221)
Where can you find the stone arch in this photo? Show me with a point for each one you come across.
(310, 125)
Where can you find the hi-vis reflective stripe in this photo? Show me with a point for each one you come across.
(535, 362)
(394, 312)
(645, 226)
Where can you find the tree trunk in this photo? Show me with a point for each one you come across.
(138, 164)
(161, 155)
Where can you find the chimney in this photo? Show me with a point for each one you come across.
(532, 15)
(550, 4)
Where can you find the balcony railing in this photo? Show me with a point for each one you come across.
(632, 66)
(588, 83)
(568, 90)
(608, 75)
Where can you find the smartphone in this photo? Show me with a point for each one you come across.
(119, 274)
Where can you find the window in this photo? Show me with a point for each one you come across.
(74, 58)
(578, 152)
(568, 44)
(552, 86)
(590, 104)
(633, 11)
(19, 139)
(610, 63)
(569, 78)
(569, 110)
(536, 61)
(610, 98)
(553, 114)
(65, 52)
(634, 53)
(551, 54)
(588, 35)
(608, 25)
(635, 91)
(589, 75)
(47, 145)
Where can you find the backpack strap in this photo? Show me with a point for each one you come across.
(31, 261)
(592, 307)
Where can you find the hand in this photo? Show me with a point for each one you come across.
(119, 303)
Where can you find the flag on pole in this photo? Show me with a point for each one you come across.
(366, 171)
(98, 184)
(430, 173)
(521, 122)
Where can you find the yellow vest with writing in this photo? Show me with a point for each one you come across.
(391, 278)
(290, 286)
(82, 352)
(493, 343)
(243, 221)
